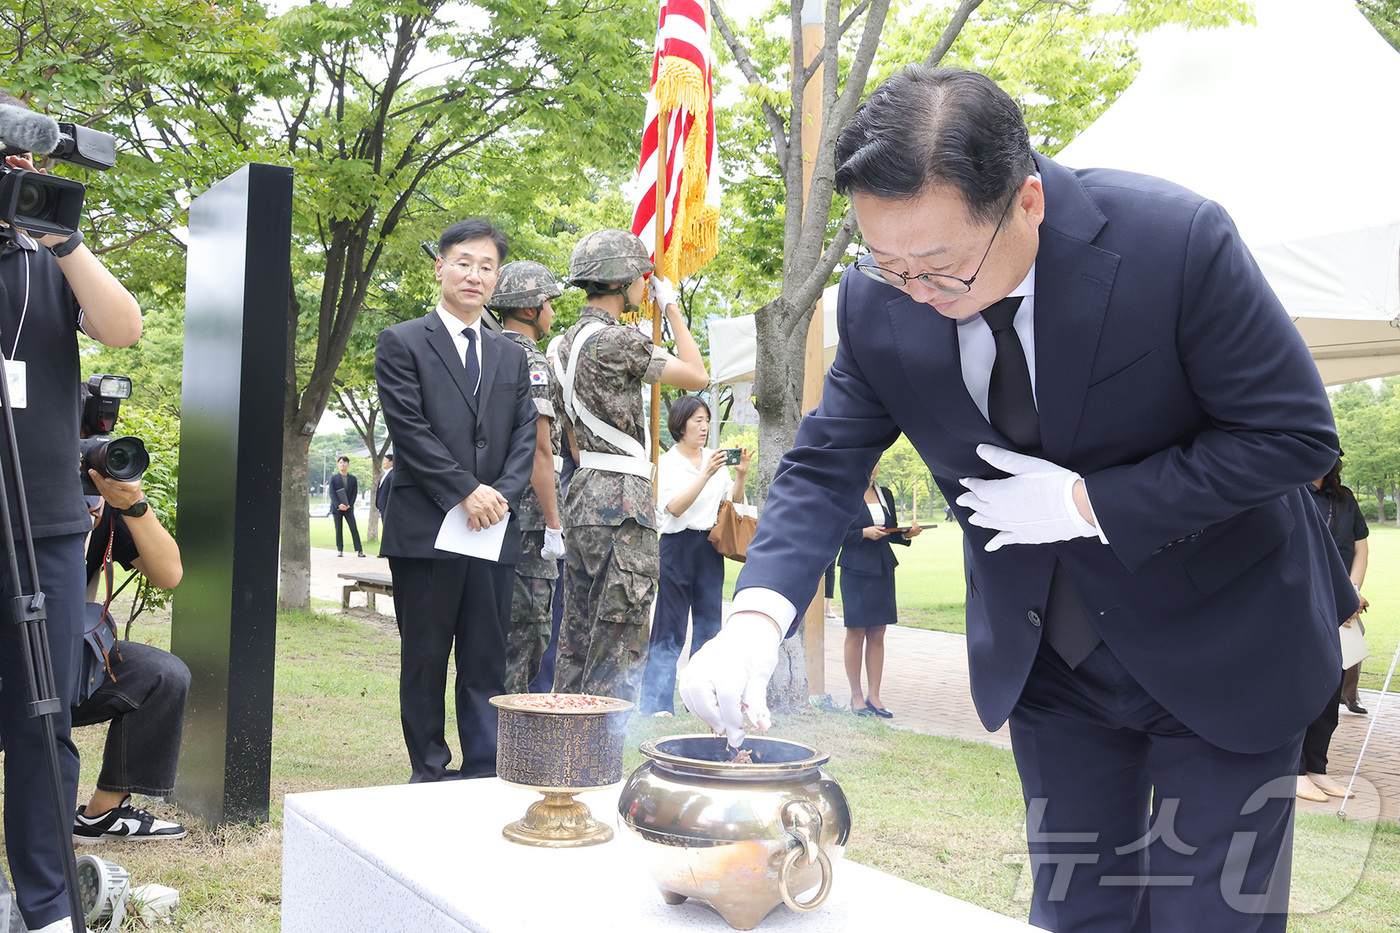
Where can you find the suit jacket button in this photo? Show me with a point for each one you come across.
(1034, 617)
(480, 443)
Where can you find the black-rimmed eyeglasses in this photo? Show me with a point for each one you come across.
(949, 284)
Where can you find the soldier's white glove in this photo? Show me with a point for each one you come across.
(728, 677)
(1034, 505)
(661, 291)
(553, 543)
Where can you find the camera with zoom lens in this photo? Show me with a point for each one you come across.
(42, 204)
(120, 458)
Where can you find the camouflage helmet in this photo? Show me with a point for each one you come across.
(609, 257)
(524, 284)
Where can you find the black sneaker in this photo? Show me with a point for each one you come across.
(123, 822)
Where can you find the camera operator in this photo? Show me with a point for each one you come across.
(49, 290)
(144, 698)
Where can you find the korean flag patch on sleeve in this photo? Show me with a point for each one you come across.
(539, 377)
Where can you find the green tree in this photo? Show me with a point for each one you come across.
(1385, 16)
(386, 110)
(1368, 425)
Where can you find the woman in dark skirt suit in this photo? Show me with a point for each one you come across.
(867, 592)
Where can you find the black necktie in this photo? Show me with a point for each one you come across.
(471, 362)
(1010, 398)
(1011, 410)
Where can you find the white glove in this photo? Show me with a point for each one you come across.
(553, 543)
(661, 291)
(1034, 505)
(728, 677)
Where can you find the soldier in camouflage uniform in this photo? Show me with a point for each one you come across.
(600, 369)
(523, 299)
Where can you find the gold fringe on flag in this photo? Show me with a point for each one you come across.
(680, 86)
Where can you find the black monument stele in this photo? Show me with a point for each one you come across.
(224, 620)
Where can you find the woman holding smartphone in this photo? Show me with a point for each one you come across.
(867, 592)
(691, 480)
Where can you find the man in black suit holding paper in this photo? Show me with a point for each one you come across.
(456, 400)
(344, 490)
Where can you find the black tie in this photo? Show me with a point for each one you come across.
(1010, 398)
(1011, 410)
(471, 362)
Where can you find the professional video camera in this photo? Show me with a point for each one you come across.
(122, 458)
(39, 203)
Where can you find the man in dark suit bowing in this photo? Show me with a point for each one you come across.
(1151, 599)
(456, 400)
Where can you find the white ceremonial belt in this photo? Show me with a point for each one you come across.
(614, 463)
(558, 464)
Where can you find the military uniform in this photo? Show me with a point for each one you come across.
(611, 567)
(531, 606)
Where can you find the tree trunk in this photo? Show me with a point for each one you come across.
(1380, 505)
(294, 588)
(781, 348)
(1396, 499)
(787, 688)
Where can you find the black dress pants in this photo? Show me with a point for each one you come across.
(453, 607)
(1318, 737)
(1134, 823)
(35, 850)
(348, 516)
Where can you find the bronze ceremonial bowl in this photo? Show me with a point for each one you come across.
(740, 837)
(559, 752)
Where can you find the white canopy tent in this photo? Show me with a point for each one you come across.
(734, 343)
(1291, 124)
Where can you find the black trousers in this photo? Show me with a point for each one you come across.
(1318, 737)
(1134, 823)
(349, 517)
(31, 836)
(455, 607)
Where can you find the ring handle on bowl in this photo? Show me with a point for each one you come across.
(800, 819)
(789, 862)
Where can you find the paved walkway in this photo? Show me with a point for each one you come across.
(926, 688)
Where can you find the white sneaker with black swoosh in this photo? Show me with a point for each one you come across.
(125, 823)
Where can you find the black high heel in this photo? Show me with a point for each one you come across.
(867, 711)
(879, 711)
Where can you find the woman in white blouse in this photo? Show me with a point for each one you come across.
(691, 480)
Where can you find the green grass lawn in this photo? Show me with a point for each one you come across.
(938, 812)
(930, 585)
(323, 534)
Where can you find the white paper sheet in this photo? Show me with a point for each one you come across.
(1353, 645)
(455, 536)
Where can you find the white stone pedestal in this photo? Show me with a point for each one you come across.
(430, 857)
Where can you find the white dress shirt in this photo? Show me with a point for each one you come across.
(977, 349)
(674, 474)
(459, 340)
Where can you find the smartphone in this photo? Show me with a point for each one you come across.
(732, 455)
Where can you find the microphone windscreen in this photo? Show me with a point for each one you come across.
(26, 130)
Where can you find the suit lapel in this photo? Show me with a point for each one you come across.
(490, 360)
(1073, 281)
(927, 343)
(441, 342)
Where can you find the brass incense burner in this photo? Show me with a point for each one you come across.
(559, 752)
(741, 837)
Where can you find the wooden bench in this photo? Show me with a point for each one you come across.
(371, 584)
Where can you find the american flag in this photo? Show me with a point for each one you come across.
(681, 86)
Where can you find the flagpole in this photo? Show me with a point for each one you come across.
(662, 119)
